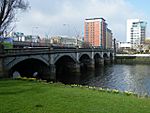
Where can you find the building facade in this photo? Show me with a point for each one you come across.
(124, 47)
(136, 32)
(17, 36)
(95, 32)
(109, 37)
(66, 41)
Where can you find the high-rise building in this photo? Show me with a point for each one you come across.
(109, 37)
(95, 32)
(136, 32)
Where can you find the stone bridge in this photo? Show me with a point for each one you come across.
(48, 63)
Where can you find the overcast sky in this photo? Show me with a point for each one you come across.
(66, 17)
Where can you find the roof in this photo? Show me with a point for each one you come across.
(95, 19)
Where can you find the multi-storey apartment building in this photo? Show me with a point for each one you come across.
(136, 32)
(95, 32)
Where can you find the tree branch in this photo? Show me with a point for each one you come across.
(8, 10)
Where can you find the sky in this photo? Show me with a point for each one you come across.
(66, 17)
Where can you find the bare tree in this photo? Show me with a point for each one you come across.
(8, 10)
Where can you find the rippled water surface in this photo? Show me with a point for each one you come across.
(135, 78)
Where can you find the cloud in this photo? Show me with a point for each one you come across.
(66, 17)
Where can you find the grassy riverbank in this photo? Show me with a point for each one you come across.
(18, 96)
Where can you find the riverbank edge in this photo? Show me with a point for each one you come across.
(132, 60)
(100, 89)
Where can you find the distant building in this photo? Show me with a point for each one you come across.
(124, 46)
(95, 32)
(147, 41)
(109, 37)
(65, 41)
(146, 46)
(55, 40)
(136, 32)
(28, 38)
(17, 36)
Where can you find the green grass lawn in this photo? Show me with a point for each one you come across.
(18, 96)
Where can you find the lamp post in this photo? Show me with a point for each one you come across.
(33, 34)
(114, 41)
(67, 29)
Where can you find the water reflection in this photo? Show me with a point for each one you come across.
(135, 78)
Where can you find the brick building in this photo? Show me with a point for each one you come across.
(95, 30)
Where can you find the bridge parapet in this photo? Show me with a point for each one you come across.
(46, 49)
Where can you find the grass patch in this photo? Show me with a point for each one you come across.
(18, 96)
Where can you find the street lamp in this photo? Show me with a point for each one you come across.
(33, 35)
(67, 29)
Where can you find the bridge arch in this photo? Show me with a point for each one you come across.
(105, 55)
(13, 61)
(64, 68)
(84, 57)
(107, 58)
(97, 55)
(98, 60)
(30, 66)
(84, 62)
(58, 57)
(88, 54)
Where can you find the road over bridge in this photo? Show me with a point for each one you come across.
(48, 63)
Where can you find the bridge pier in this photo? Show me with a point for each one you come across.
(107, 61)
(1, 69)
(91, 65)
(99, 61)
(52, 68)
(75, 73)
(3, 72)
(75, 68)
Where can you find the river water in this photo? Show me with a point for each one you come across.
(134, 78)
